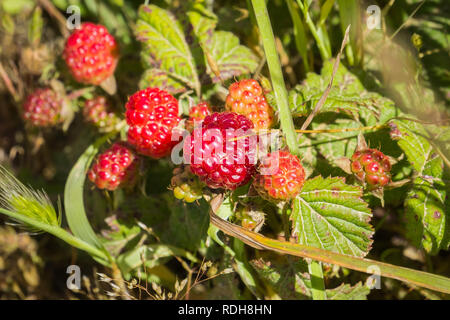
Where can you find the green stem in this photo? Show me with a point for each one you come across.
(276, 74)
(300, 34)
(320, 44)
(287, 124)
(59, 233)
(317, 284)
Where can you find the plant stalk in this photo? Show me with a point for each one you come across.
(324, 53)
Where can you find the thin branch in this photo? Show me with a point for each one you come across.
(54, 12)
(8, 83)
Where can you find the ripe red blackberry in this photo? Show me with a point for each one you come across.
(197, 113)
(97, 112)
(152, 114)
(91, 54)
(372, 167)
(42, 108)
(280, 176)
(246, 97)
(222, 151)
(116, 167)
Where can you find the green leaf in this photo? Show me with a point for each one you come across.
(335, 145)
(225, 211)
(152, 255)
(35, 27)
(331, 215)
(347, 292)
(288, 276)
(73, 196)
(428, 210)
(188, 224)
(121, 232)
(16, 6)
(347, 96)
(155, 77)
(411, 139)
(165, 47)
(231, 58)
(301, 40)
(202, 20)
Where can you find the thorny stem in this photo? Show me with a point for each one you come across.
(8, 83)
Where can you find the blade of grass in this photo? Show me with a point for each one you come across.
(73, 196)
(276, 74)
(349, 13)
(287, 124)
(301, 39)
(324, 53)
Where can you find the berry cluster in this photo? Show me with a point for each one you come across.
(281, 176)
(91, 54)
(42, 108)
(117, 166)
(97, 112)
(197, 113)
(220, 153)
(152, 114)
(246, 97)
(372, 167)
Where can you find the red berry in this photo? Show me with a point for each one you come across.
(197, 113)
(371, 166)
(116, 167)
(91, 54)
(152, 114)
(217, 155)
(42, 108)
(246, 97)
(281, 176)
(97, 112)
